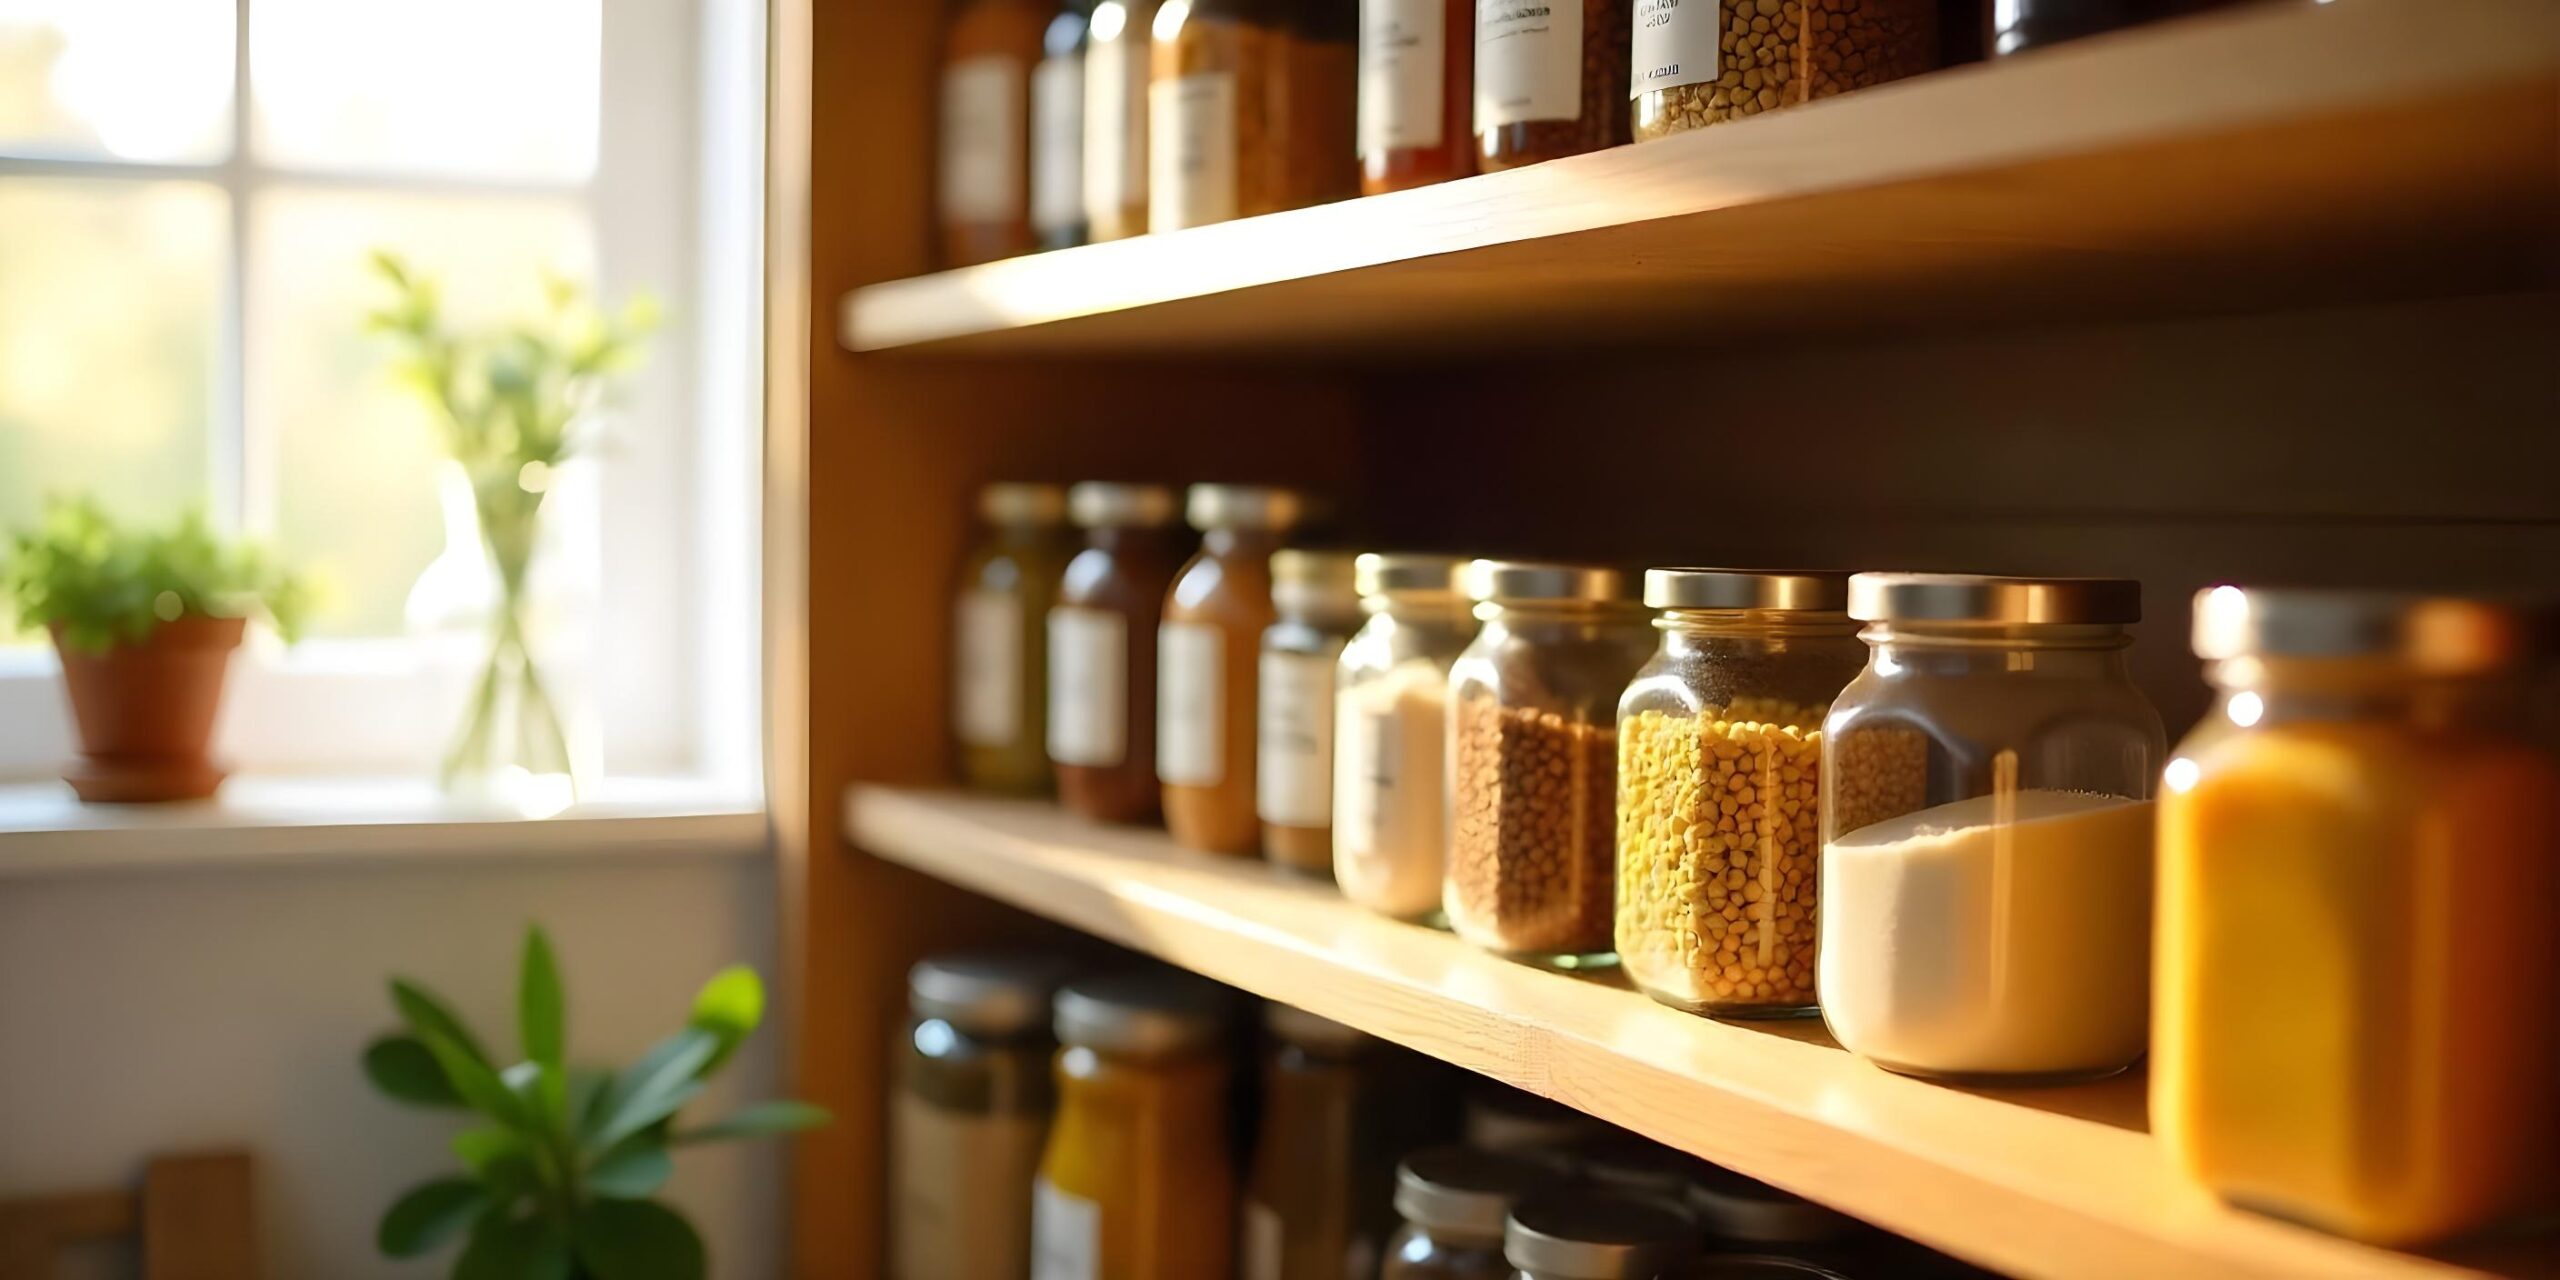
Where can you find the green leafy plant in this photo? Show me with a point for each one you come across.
(103, 583)
(563, 1161)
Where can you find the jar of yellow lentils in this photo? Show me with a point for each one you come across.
(1719, 781)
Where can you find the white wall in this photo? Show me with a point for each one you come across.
(227, 1006)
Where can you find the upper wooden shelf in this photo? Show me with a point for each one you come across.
(2290, 156)
(2052, 1182)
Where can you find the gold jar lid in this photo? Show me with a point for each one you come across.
(1974, 597)
(1110, 504)
(1017, 502)
(1304, 580)
(1381, 573)
(1244, 506)
(2445, 635)
(1506, 581)
(1792, 591)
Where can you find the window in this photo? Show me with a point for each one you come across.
(189, 192)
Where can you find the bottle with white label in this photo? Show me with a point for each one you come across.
(1546, 82)
(999, 627)
(1208, 666)
(1416, 106)
(1117, 53)
(1390, 725)
(1136, 1182)
(1293, 764)
(1057, 131)
(971, 1115)
(1102, 650)
(1213, 152)
(983, 170)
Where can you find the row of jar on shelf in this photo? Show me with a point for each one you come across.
(1089, 1128)
(1684, 771)
(1062, 123)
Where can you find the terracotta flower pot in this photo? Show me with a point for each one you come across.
(145, 711)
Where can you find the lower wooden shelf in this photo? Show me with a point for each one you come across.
(2049, 1182)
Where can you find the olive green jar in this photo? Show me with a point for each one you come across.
(1000, 651)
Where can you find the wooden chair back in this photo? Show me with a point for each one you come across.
(195, 1214)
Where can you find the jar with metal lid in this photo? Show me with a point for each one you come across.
(1102, 650)
(1986, 828)
(1533, 759)
(1748, 1215)
(1318, 609)
(1719, 787)
(1208, 665)
(1622, 1163)
(1700, 62)
(1315, 1204)
(1519, 1123)
(2360, 906)
(1136, 1183)
(1390, 732)
(1454, 1201)
(2020, 25)
(1000, 665)
(971, 1115)
(1598, 1236)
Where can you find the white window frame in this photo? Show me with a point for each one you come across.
(676, 207)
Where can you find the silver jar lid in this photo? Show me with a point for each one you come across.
(990, 993)
(2440, 635)
(1528, 580)
(1734, 1207)
(1379, 573)
(1973, 597)
(1110, 504)
(1244, 506)
(1311, 581)
(1501, 1118)
(1463, 1192)
(1587, 1236)
(1790, 591)
(1144, 1013)
(1011, 502)
(1306, 1030)
(1621, 1161)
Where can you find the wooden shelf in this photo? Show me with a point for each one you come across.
(2055, 1182)
(2283, 157)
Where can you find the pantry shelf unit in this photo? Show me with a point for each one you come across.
(2053, 1182)
(2275, 156)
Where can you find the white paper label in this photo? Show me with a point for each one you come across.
(1675, 44)
(1057, 143)
(963, 1191)
(1191, 151)
(1365, 772)
(1403, 63)
(1088, 687)
(1191, 712)
(1293, 764)
(1259, 1259)
(988, 694)
(982, 164)
(1066, 1235)
(1115, 115)
(1528, 61)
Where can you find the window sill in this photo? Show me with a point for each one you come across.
(291, 821)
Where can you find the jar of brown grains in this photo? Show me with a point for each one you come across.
(1697, 62)
(1719, 770)
(1533, 759)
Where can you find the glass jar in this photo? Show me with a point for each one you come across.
(2020, 25)
(1705, 61)
(1719, 776)
(1102, 650)
(1454, 1201)
(1546, 79)
(2360, 897)
(984, 177)
(1533, 759)
(1057, 130)
(1315, 1206)
(1311, 591)
(1621, 1163)
(1390, 734)
(1417, 93)
(1516, 1123)
(971, 1114)
(1986, 830)
(1117, 61)
(1598, 1236)
(1747, 1215)
(1207, 666)
(1317, 91)
(1136, 1184)
(1214, 151)
(1000, 666)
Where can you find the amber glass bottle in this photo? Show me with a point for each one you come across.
(1207, 665)
(1417, 93)
(983, 186)
(1102, 650)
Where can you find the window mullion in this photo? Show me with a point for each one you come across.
(241, 498)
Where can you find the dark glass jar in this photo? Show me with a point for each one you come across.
(1549, 79)
(1454, 1201)
(2020, 25)
(971, 1115)
(1102, 650)
(1316, 1205)
(999, 661)
(1317, 94)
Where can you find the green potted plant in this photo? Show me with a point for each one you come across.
(145, 622)
(563, 1161)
